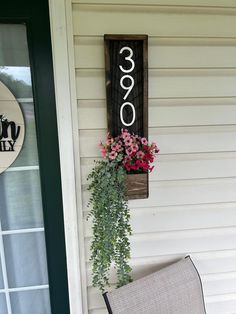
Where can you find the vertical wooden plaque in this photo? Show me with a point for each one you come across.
(126, 63)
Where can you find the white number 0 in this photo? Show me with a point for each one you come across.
(121, 113)
(129, 58)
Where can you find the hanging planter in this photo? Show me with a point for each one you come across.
(137, 185)
(136, 155)
(121, 175)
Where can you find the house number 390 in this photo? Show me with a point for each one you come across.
(129, 88)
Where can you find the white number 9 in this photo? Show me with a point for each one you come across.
(128, 88)
(129, 58)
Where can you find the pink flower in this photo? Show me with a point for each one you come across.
(112, 155)
(102, 150)
(109, 140)
(125, 134)
(134, 148)
(144, 141)
(129, 151)
(140, 154)
(115, 147)
(127, 158)
(128, 141)
(104, 153)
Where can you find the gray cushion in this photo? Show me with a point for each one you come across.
(176, 289)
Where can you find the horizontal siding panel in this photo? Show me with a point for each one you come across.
(163, 53)
(183, 167)
(213, 3)
(225, 304)
(166, 21)
(166, 112)
(92, 114)
(185, 192)
(98, 311)
(189, 192)
(166, 83)
(177, 242)
(200, 112)
(190, 167)
(177, 218)
(215, 284)
(89, 52)
(172, 140)
(215, 262)
(207, 263)
(184, 241)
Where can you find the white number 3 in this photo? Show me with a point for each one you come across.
(129, 58)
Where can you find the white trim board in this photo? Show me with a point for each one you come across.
(62, 46)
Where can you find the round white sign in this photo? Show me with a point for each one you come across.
(12, 128)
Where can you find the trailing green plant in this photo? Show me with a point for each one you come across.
(125, 153)
(111, 228)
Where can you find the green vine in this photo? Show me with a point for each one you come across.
(111, 228)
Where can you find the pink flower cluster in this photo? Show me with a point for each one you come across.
(132, 151)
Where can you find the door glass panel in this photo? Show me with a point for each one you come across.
(25, 301)
(13, 46)
(21, 205)
(22, 253)
(17, 80)
(3, 303)
(1, 277)
(22, 241)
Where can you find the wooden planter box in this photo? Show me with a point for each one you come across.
(137, 186)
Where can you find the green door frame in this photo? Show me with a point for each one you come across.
(35, 14)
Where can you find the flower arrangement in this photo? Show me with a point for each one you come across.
(110, 246)
(132, 151)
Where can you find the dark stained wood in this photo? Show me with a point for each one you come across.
(139, 94)
(137, 186)
(125, 37)
(145, 88)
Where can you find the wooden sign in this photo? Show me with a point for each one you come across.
(127, 83)
(12, 128)
(126, 63)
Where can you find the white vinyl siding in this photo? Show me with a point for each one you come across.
(192, 116)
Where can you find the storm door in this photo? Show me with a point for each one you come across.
(33, 277)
